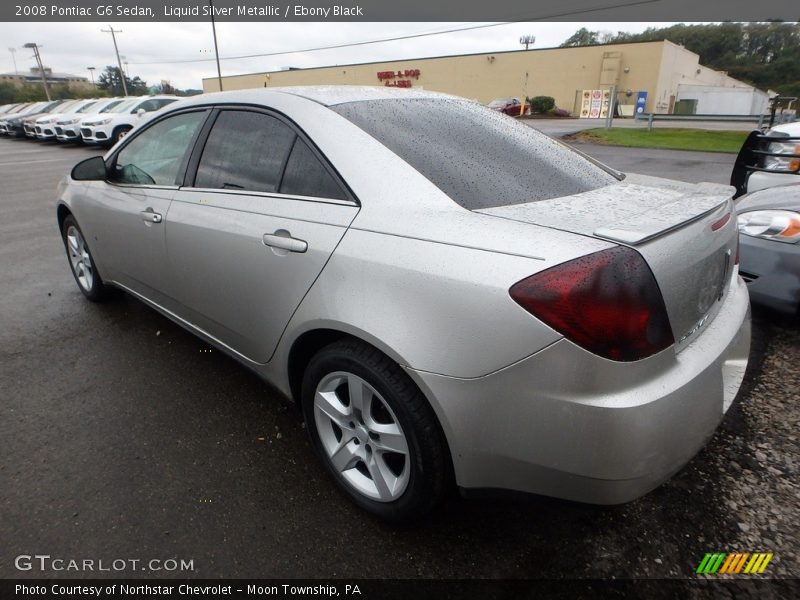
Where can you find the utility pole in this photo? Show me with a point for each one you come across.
(91, 72)
(216, 48)
(33, 46)
(14, 58)
(112, 31)
(527, 40)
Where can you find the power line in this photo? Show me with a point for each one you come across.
(318, 48)
(407, 36)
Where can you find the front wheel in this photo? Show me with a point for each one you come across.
(81, 262)
(119, 133)
(375, 432)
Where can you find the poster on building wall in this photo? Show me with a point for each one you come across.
(597, 102)
(641, 102)
(586, 101)
(605, 105)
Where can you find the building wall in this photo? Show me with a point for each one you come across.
(715, 100)
(556, 72)
(73, 81)
(655, 67)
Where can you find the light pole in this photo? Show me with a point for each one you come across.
(14, 58)
(33, 46)
(112, 31)
(91, 72)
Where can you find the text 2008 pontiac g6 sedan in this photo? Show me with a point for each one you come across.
(453, 297)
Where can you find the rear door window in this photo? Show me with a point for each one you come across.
(245, 151)
(305, 175)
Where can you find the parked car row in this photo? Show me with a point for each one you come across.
(100, 121)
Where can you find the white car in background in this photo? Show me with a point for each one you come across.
(68, 127)
(45, 127)
(768, 159)
(109, 128)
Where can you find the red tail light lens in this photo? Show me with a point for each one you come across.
(607, 302)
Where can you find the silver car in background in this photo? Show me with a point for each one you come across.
(451, 296)
(769, 224)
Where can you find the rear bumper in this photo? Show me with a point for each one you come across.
(772, 272)
(566, 423)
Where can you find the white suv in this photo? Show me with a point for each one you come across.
(110, 127)
(68, 126)
(45, 126)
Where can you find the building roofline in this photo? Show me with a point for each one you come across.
(378, 62)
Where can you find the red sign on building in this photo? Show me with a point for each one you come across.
(398, 78)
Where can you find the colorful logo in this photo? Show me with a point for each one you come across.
(734, 562)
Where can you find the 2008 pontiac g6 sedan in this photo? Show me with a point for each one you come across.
(451, 296)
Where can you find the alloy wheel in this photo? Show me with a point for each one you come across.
(79, 258)
(361, 436)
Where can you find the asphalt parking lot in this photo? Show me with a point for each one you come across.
(123, 436)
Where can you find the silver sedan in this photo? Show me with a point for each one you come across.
(452, 297)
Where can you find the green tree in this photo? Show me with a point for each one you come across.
(110, 80)
(582, 37)
(766, 55)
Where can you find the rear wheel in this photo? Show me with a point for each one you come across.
(82, 263)
(374, 431)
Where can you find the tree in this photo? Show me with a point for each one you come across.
(582, 37)
(111, 81)
(765, 55)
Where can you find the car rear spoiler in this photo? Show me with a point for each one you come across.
(751, 155)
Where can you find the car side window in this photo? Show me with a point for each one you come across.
(155, 156)
(245, 151)
(305, 175)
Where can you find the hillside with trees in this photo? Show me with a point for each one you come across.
(766, 55)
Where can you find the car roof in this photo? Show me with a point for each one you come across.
(327, 95)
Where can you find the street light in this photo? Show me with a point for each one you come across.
(91, 72)
(33, 46)
(14, 58)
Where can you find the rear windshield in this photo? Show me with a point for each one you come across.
(478, 157)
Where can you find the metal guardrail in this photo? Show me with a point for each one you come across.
(760, 119)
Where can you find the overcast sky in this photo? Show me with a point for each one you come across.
(71, 47)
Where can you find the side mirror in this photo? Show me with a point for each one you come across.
(140, 112)
(91, 169)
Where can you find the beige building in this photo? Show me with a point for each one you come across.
(34, 77)
(657, 68)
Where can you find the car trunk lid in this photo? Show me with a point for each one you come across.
(686, 233)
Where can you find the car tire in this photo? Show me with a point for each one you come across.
(364, 451)
(119, 133)
(82, 263)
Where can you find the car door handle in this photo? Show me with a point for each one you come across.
(285, 242)
(150, 217)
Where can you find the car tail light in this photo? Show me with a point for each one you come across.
(607, 302)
